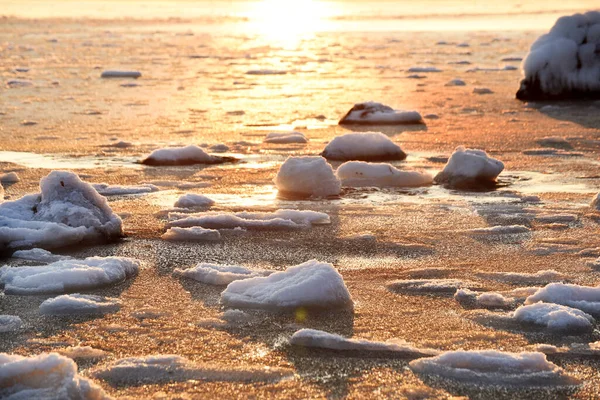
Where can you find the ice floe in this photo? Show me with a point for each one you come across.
(286, 137)
(121, 190)
(189, 155)
(368, 146)
(79, 304)
(191, 234)
(431, 285)
(39, 255)
(372, 113)
(214, 274)
(469, 167)
(192, 200)
(156, 369)
(522, 278)
(312, 284)
(358, 174)
(45, 376)
(564, 62)
(555, 317)
(66, 212)
(584, 298)
(68, 275)
(10, 177)
(10, 323)
(492, 367)
(326, 340)
(307, 176)
(277, 220)
(120, 74)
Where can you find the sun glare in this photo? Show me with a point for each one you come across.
(287, 22)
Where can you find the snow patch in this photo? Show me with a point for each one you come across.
(359, 174)
(555, 317)
(192, 200)
(189, 155)
(468, 167)
(214, 274)
(584, 298)
(10, 323)
(192, 234)
(79, 304)
(307, 176)
(368, 146)
(118, 190)
(372, 113)
(39, 255)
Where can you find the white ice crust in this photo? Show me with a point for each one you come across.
(307, 176)
(372, 113)
(468, 165)
(285, 137)
(79, 304)
(364, 146)
(554, 317)
(359, 174)
(193, 200)
(191, 234)
(584, 298)
(214, 274)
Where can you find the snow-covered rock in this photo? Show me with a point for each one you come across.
(431, 285)
(468, 167)
(307, 176)
(10, 323)
(45, 376)
(456, 82)
(326, 340)
(485, 300)
(68, 211)
(359, 173)
(10, 177)
(372, 113)
(39, 255)
(492, 367)
(286, 137)
(277, 220)
(189, 155)
(584, 298)
(119, 190)
(311, 284)
(214, 274)
(554, 316)
(564, 63)
(68, 275)
(120, 74)
(191, 234)
(193, 200)
(79, 304)
(367, 146)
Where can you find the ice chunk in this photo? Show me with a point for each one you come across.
(214, 274)
(119, 190)
(10, 177)
(120, 74)
(311, 284)
(424, 69)
(584, 298)
(192, 200)
(369, 146)
(540, 277)
(307, 176)
(66, 212)
(468, 167)
(431, 285)
(68, 275)
(45, 376)
(554, 316)
(10, 323)
(358, 174)
(191, 234)
(82, 353)
(326, 340)
(189, 155)
(456, 82)
(280, 219)
(372, 113)
(158, 369)
(596, 202)
(500, 230)
(285, 137)
(482, 90)
(486, 299)
(39, 255)
(492, 367)
(79, 304)
(564, 63)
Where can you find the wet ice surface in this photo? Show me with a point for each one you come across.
(196, 90)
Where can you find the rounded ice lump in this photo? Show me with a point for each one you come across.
(470, 168)
(307, 176)
(367, 146)
(372, 113)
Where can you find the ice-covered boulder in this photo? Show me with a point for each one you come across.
(45, 376)
(68, 275)
(584, 298)
(469, 167)
(367, 146)
(286, 137)
(189, 155)
(555, 317)
(312, 284)
(307, 176)
(359, 173)
(490, 367)
(68, 211)
(564, 63)
(193, 200)
(372, 113)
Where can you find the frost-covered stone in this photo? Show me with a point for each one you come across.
(564, 63)
(45, 376)
(10, 323)
(367, 146)
(191, 234)
(311, 284)
(189, 155)
(68, 275)
(469, 167)
(79, 304)
(286, 137)
(307, 176)
(358, 174)
(490, 367)
(192, 200)
(214, 274)
(67, 211)
(584, 298)
(372, 113)
(554, 316)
